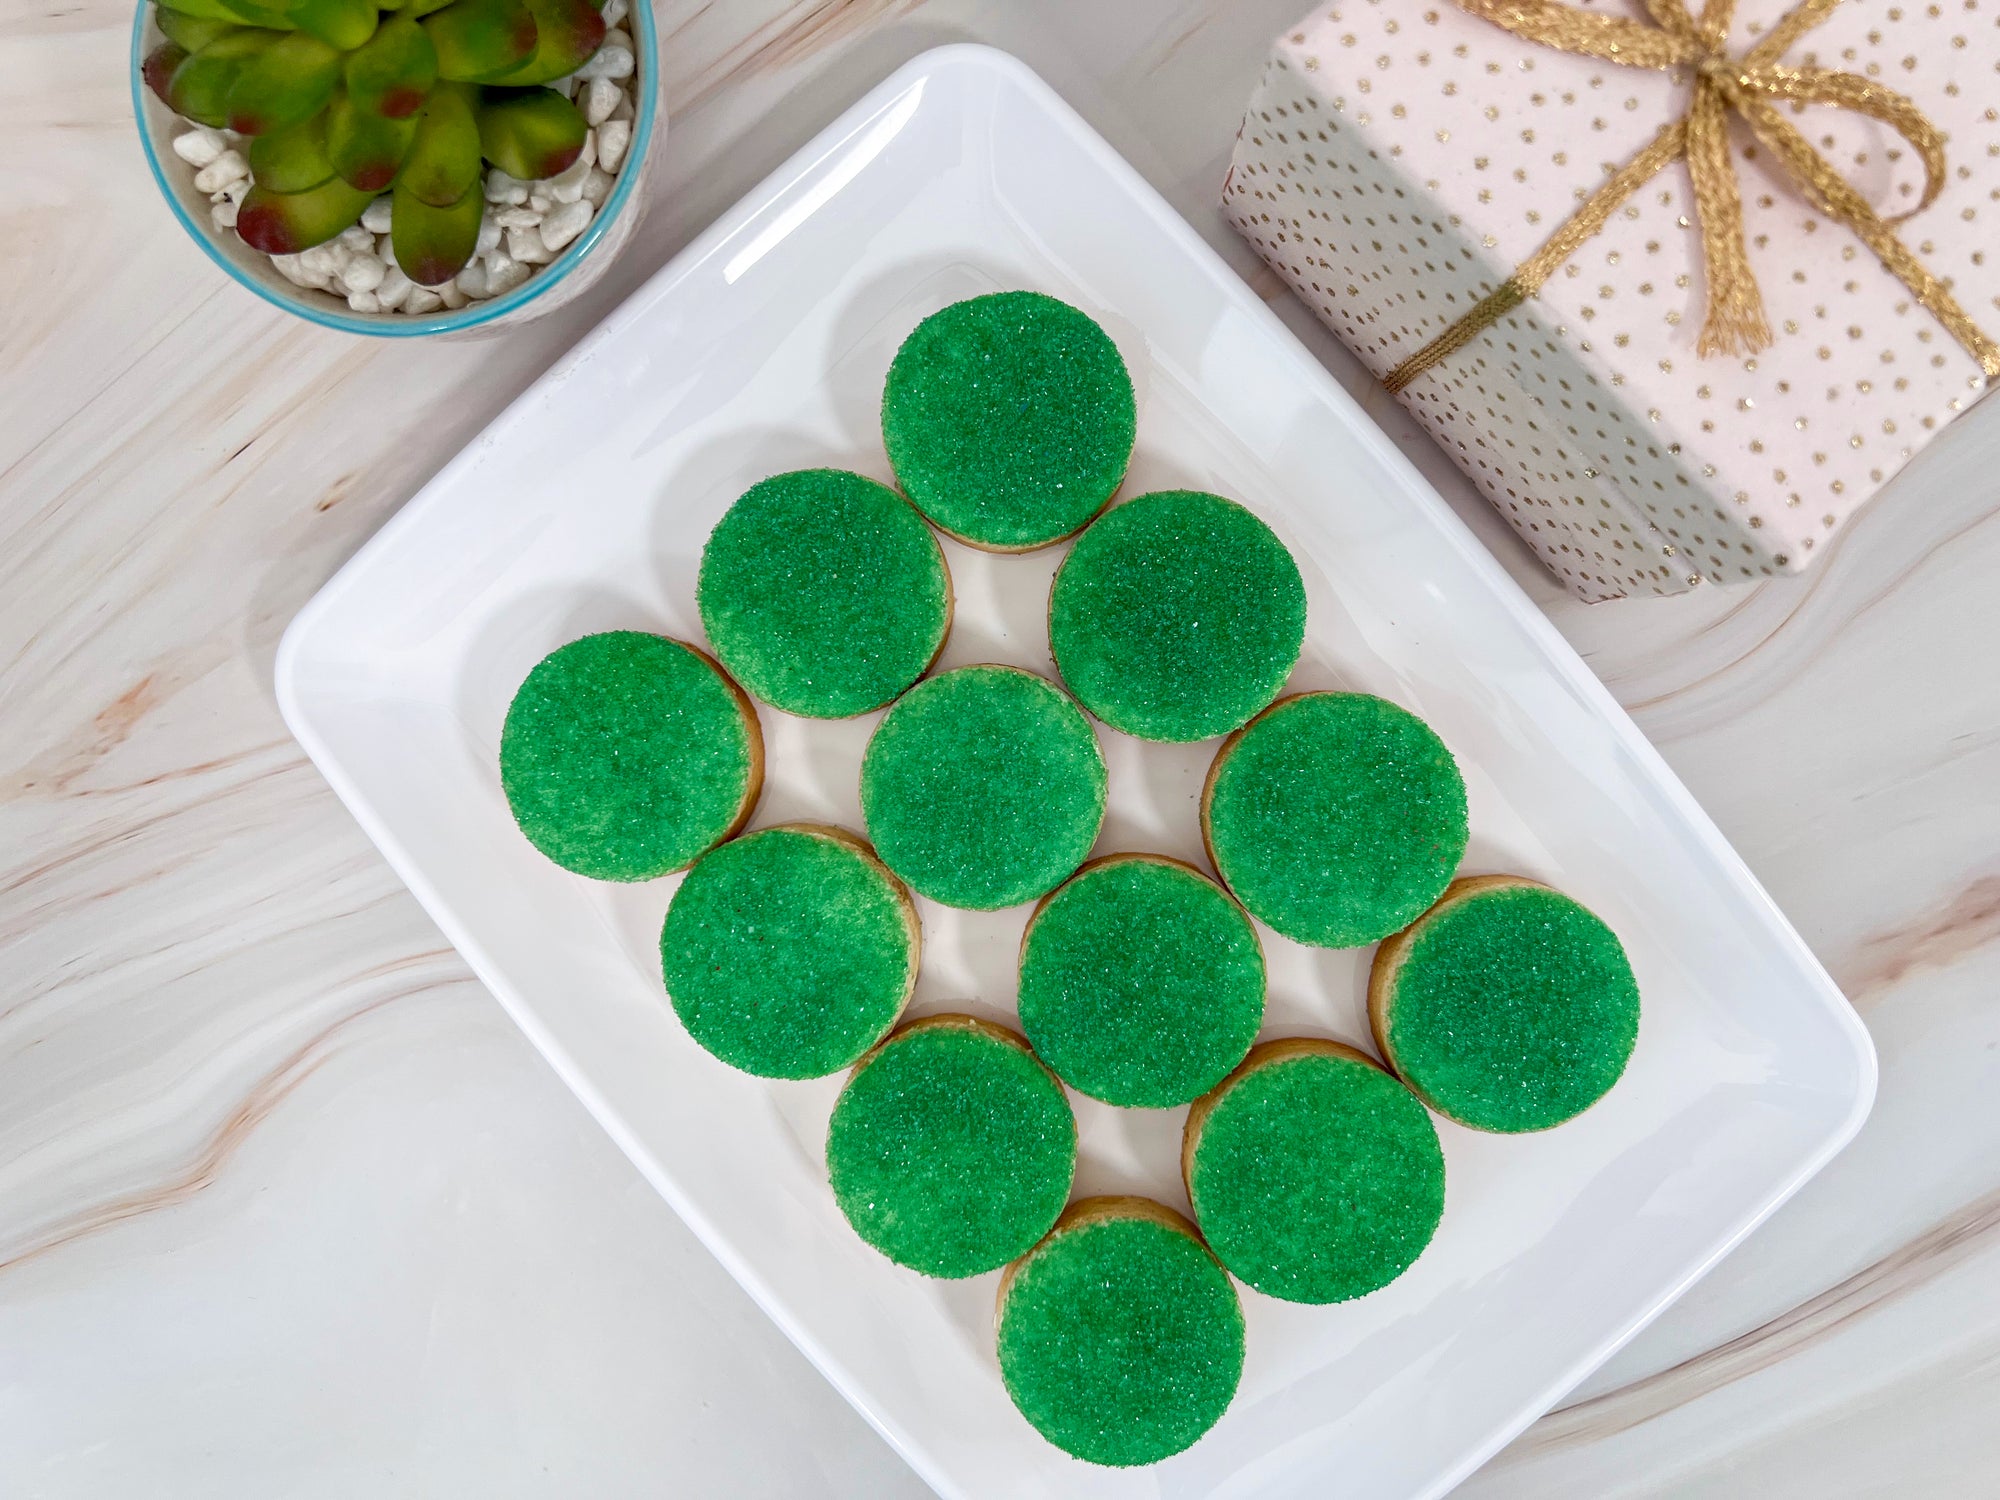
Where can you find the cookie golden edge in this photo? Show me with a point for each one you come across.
(1263, 1055)
(1390, 954)
(753, 790)
(1099, 1209)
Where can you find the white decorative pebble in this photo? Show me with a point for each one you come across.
(200, 146)
(500, 188)
(526, 246)
(393, 289)
(600, 97)
(615, 11)
(503, 273)
(385, 249)
(567, 185)
(517, 218)
(614, 137)
(471, 282)
(597, 187)
(375, 217)
(363, 272)
(324, 260)
(489, 234)
(618, 36)
(223, 214)
(227, 167)
(364, 302)
(624, 110)
(238, 190)
(565, 223)
(610, 61)
(422, 300)
(290, 268)
(540, 201)
(450, 294)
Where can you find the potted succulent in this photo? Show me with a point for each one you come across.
(400, 165)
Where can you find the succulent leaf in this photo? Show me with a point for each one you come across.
(286, 223)
(417, 9)
(191, 32)
(530, 133)
(394, 71)
(366, 148)
(344, 24)
(293, 159)
(207, 10)
(443, 163)
(289, 81)
(159, 66)
(201, 85)
(479, 41)
(270, 15)
(567, 33)
(433, 243)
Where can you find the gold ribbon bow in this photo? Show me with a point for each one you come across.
(1747, 85)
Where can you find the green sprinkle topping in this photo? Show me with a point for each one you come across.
(1335, 817)
(951, 1149)
(1512, 1008)
(626, 756)
(824, 593)
(1121, 1340)
(789, 952)
(983, 787)
(1177, 616)
(1316, 1176)
(1141, 982)
(1009, 419)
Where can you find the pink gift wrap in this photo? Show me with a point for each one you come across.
(1401, 157)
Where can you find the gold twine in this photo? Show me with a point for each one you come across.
(1734, 321)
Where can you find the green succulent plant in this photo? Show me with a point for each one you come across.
(347, 99)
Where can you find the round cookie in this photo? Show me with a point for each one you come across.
(1507, 1006)
(790, 951)
(1120, 1339)
(1142, 982)
(983, 787)
(1177, 616)
(1315, 1176)
(1334, 817)
(1009, 420)
(626, 756)
(824, 593)
(951, 1150)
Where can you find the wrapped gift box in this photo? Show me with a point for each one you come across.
(1402, 157)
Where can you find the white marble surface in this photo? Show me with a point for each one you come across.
(288, 1208)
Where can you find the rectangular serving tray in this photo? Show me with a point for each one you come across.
(762, 347)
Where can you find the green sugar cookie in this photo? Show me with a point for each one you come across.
(1009, 420)
(1120, 1339)
(626, 756)
(1507, 1006)
(1334, 817)
(983, 787)
(1177, 616)
(1142, 983)
(789, 952)
(1314, 1174)
(951, 1149)
(824, 593)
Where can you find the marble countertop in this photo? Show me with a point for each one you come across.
(288, 1207)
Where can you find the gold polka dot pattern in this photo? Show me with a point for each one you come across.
(1399, 159)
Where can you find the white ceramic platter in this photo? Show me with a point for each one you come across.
(763, 348)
